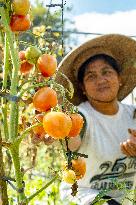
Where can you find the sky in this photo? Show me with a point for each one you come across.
(102, 16)
(101, 6)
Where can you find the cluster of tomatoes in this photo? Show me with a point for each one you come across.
(53, 125)
(20, 19)
(76, 172)
(32, 56)
(56, 125)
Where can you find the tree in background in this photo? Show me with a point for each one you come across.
(46, 30)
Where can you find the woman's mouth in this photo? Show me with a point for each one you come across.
(104, 88)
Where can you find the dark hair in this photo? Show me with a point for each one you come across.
(111, 61)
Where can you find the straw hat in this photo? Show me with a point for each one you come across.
(120, 47)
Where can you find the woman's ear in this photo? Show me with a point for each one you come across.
(120, 81)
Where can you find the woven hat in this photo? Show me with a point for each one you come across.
(120, 47)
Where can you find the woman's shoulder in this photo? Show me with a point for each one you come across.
(84, 107)
(129, 108)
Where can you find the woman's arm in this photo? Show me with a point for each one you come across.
(74, 143)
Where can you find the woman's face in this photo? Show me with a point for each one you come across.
(101, 82)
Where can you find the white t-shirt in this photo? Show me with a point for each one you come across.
(105, 162)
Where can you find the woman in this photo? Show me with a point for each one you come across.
(103, 72)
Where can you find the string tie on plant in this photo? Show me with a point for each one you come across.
(53, 5)
(9, 97)
(9, 179)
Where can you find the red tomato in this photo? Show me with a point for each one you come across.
(20, 23)
(47, 64)
(44, 99)
(25, 66)
(21, 7)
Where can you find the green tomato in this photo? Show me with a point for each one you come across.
(32, 54)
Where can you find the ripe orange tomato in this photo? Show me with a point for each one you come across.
(39, 130)
(25, 67)
(77, 124)
(44, 99)
(57, 124)
(47, 64)
(21, 7)
(69, 176)
(79, 167)
(20, 23)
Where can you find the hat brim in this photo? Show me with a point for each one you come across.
(120, 47)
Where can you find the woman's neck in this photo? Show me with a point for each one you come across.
(106, 108)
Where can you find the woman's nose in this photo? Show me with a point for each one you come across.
(101, 78)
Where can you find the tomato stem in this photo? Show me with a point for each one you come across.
(14, 149)
(14, 79)
(3, 186)
(13, 115)
(3, 101)
(19, 139)
(31, 87)
(69, 153)
(63, 149)
(40, 190)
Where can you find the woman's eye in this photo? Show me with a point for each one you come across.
(107, 72)
(92, 76)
